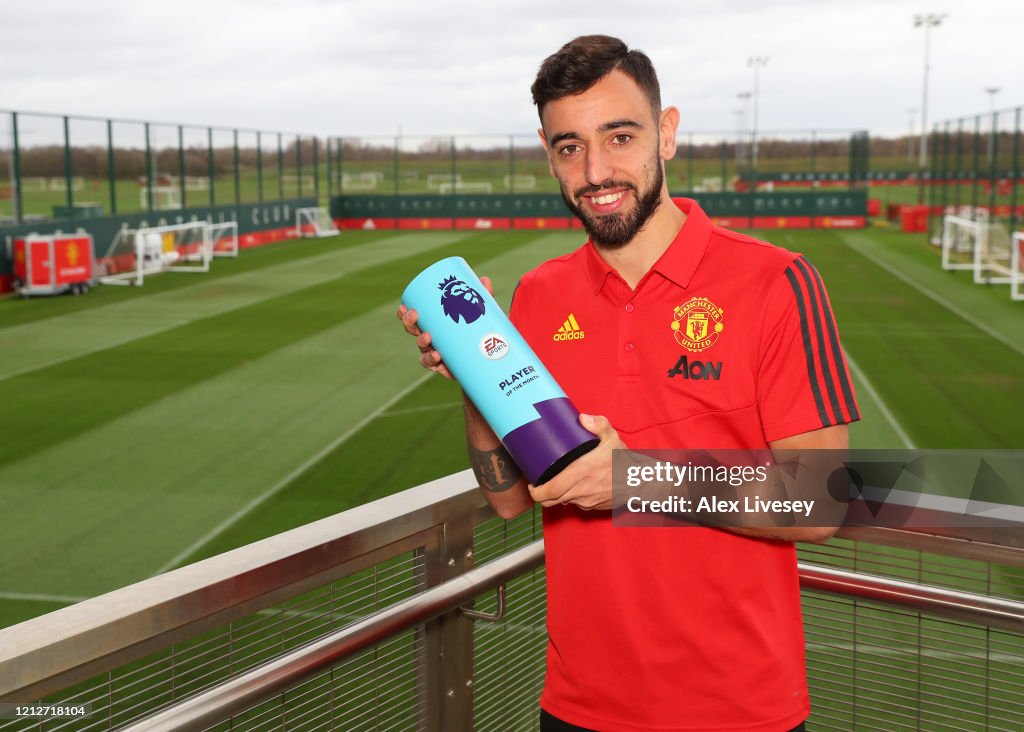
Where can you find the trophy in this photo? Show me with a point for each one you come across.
(500, 373)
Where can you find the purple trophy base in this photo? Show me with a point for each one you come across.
(545, 446)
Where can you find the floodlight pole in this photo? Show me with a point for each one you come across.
(758, 62)
(739, 114)
(745, 98)
(992, 91)
(910, 135)
(929, 21)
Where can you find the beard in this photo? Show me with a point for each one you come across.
(614, 231)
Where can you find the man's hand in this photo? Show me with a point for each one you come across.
(587, 482)
(430, 359)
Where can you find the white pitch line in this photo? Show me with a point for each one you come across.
(279, 485)
(931, 294)
(883, 408)
(36, 597)
(179, 323)
(914, 651)
(417, 410)
(95, 349)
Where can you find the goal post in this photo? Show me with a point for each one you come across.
(1017, 266)
(520, 181)
(164, 197)
(959, 241)
(993, 255)
(465, 187)
(135, 254)
(314, 221)
(224, 239)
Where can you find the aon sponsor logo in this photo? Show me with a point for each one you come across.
(696, 370)
(570, 331)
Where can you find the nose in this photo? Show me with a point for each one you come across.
(598, 167)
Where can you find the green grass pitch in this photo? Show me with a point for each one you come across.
(148, 428)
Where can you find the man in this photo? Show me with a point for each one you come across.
(675, 628)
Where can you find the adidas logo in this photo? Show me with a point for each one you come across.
(570, 331)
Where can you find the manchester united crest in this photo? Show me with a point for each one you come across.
(697, 324)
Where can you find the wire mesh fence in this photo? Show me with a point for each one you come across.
(871, 666)
(62, 167)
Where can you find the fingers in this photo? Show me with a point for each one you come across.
(429, 358)
(487, 284)
(409, 316)
(557, 490)
(586, 481)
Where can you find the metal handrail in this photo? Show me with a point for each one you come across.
(50, 653)
(44, 655)
(967, 607)
(219, 703)
(237, 695)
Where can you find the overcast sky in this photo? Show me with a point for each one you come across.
(465, 66)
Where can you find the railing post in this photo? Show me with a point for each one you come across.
(69, 194)
(19, 204)
(237, 165)
(149, 170)
(182, 187)
(316, 169)
(280, 168)
(447, 655)
(211, 166)
(111, 167)
(259, 166)
(1017, 174)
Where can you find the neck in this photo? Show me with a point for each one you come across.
(635, 259)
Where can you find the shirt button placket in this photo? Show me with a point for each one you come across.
(628, 360)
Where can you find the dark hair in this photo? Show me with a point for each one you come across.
(584, 61)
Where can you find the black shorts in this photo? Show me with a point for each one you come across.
(549, 723)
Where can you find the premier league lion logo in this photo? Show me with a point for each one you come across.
(459, 299)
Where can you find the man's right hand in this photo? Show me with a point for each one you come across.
(429, 358)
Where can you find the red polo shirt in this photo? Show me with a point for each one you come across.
(727, 342)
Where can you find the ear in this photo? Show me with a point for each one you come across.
(668, 123)
(547, 149)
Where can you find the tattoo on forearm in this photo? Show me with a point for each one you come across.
(495, 469)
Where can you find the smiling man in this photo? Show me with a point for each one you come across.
(690, 337)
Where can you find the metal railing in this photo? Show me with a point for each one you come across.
(360, 621)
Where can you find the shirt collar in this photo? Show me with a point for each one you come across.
(680, 260)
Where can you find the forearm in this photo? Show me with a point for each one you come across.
(500, 479)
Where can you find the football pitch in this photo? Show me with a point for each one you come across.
(148, 428)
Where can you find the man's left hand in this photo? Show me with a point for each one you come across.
(587, 481)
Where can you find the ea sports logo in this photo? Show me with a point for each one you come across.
(493, 346)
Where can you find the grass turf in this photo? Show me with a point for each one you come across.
(148, 418)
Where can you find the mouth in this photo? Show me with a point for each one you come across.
(607, 201)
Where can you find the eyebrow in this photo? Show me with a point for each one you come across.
(617, 124)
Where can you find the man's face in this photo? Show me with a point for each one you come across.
(606, 147)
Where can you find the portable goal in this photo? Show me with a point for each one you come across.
(1017, 268)
(224, 239)
(993, 256)
(520, 181)
(164, 197)
(314, 221)
(135, 254)
(465, 187)
(959, 240)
